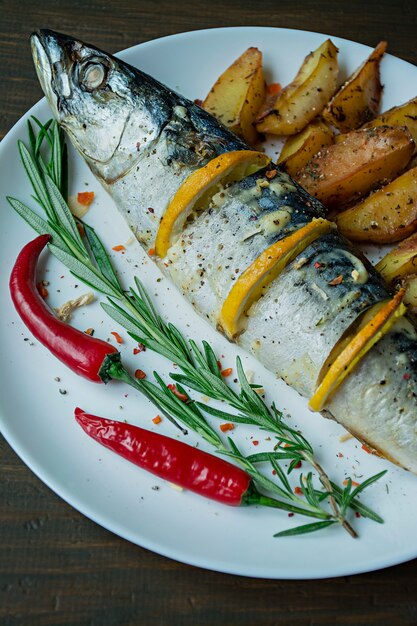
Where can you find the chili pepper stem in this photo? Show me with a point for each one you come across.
(254, 497)
(114, 369)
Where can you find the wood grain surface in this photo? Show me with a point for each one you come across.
(56, 566)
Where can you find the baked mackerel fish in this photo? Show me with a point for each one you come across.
(142, 141)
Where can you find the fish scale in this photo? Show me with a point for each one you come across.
(303, 313)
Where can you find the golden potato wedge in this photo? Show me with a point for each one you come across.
(237, 95)
(304, 98)
(400, 261)
(387, 215)
(351, 168)
(300, 148)
(357, 101)
(403, 115)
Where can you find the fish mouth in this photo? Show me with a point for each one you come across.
(52, 64)
(42, 66)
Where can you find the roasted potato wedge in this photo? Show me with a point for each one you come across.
(400, 261)
(237, 95)
(387, 215)
(351, 168)
(300, 148)
(357, 101)
(303, 99)
(403, 115)
(410, 298)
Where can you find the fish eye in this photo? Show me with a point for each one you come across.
(93, 75)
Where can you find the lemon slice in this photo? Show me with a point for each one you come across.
(200, 187)
(371, 330)
(250, 284)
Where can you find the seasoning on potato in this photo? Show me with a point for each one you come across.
(351, 168)
(306, 96)
(400, 261)
(357, 101)
(386, 216)
(237, 95)
(300, 148)
(402, 115)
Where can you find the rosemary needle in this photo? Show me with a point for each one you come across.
(135, 311)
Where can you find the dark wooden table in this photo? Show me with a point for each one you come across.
(57, 567)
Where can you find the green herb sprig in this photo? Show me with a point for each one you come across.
(134, 310)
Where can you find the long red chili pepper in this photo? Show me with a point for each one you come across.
(96, 360)
(85, 355)
(172, 460)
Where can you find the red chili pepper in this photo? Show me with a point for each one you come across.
(171, 459)
(83, 354)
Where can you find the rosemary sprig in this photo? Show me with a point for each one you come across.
(199, 366)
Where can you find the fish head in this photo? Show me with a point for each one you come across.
(97, 99)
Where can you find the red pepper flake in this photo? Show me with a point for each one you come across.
(274, 472)
(140, 348)
(273, 89)
(151, 252)
(368, 450)
(219, 365)
(290, 514)
(317, 265)
(336, 281)
(140, 374)
(198, 102)
(151, 210)
(117, 336)
(357, 514)
(407, 376)
(181, 396)
(80, 229)
(255, 442)
(225, 427)
(298, 491)
(85, 197)
(297, 465)
(89, 331)
(157, 419)
(354, 483)
(271, 174)
(119, 248)
(340, 455)
(226, 372)
(42, 290)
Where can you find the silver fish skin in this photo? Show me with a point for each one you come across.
(142, 140)
(131, 130)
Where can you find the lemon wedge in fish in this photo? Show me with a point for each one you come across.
(268, 265)
(198, 189)
(374, 325)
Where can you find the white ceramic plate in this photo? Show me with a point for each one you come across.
(37, 419)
